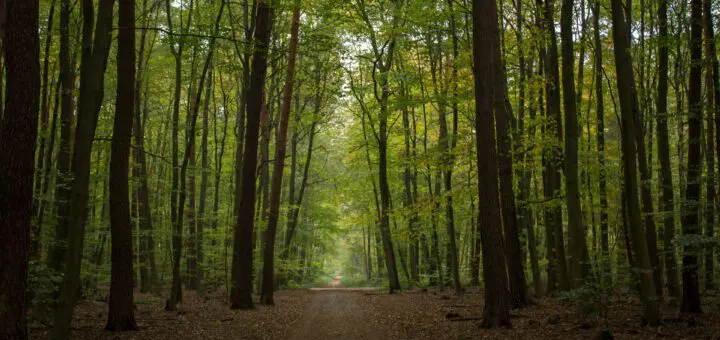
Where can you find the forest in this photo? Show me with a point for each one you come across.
(359, 169)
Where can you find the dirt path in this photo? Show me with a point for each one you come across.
(334, 314)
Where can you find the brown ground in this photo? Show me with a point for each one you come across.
(417, 314)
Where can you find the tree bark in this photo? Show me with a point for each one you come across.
(57, 249)
(121, 305)
(606, 274)
(268, 282)
(691, 203)
(95, 51)
(486, 55)
(553, 155)
(18, 138)
(625, 82)
(579, 264)
(242, 263)
(711, 141)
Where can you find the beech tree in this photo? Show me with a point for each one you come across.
(18, 134)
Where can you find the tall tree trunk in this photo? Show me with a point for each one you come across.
(268, 282)
(18, 138)
(579, 263)
(177, 52)
(625, 82)
(606, 274)
(34, 247)
(667, 198)
(711, 140)
(57, 250)
(242, 272)
(554, 153)
(121, 305)
(95, 51)
(204, 178)
(691, 203)
(488, 67)
(147, 254)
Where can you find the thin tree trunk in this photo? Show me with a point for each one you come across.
(205, 164)
(712, 138)
(606, 274)
(667, 197)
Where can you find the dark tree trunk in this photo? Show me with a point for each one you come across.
(57, 250)
(177, 52)
(553, 156)
(667, 198)
(606, 274)
(148, 274)
(488, 67)
(242, 264)
(204, 178)
(121, 305)
(268, 281)
(18, 138)
(34, 247)
(579, 264)
(625, 81)
(713, 97)
(691, 203)
(95, 51)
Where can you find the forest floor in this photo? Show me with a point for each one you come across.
(366, 314)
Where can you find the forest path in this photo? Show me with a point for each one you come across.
(334, 314)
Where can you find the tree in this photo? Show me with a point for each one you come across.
(242, 261)
(18, 135)
(552, 158)
(667, 198)
(95, 51)
(579, 264)
(268, 281)
(625, 84)
(121, 315)
(486, 56)
(600, 127)
(691, 206)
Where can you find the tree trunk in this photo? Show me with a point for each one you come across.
(553, 155)
(579, 264)
(667, 197)
(486, 55)
(242, 264)
(606, 274)
(57, 250)
(177, 52)
(18, 138)
(121, 305)
(268, 282)
(714, 97)
(148, 274)
(625, 83)
(95, 51)
(204, 178)
(691, 204)
(34, 247)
